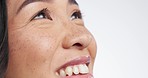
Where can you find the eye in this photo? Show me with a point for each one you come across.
(43, 14)
(76, 15)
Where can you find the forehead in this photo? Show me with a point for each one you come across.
(16, 5)
(25, 2)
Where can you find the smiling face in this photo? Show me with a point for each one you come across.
(47, 39)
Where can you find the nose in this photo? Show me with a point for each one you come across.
(78, 38)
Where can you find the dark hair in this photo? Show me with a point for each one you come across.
(3, 38)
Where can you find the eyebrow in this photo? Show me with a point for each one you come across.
(73, 2)
(26, 2)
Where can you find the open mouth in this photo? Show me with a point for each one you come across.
(77, 68)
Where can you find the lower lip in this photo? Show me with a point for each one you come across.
(80, 76)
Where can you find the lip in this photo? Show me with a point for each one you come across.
(80, 76)
(77, 61)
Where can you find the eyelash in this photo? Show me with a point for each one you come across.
(76, 15)
(44, 14)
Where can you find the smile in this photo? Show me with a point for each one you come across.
(77, 68)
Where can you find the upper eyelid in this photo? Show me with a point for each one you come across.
(78, 11)
(46, 10)
(75, 10)
(42, 10)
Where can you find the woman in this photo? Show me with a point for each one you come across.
(46, 39)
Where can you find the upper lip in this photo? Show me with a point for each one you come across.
(77, 61)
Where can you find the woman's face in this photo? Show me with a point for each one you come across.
(47, 39)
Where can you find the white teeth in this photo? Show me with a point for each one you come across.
(75, 70)
(62, 73)
(86, 68)
(68, 70)
(83, 69)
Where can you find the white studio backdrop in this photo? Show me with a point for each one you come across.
(120, 28)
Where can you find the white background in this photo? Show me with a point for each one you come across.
(120, 28)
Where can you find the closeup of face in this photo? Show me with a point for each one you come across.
(48, 39)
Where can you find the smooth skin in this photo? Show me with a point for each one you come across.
(44, 35)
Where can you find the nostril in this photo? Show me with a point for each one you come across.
(77, 44)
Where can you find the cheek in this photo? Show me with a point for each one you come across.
(31, 50)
